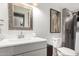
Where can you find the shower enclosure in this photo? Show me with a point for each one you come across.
(68, 28)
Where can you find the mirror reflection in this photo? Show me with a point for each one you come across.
(21, 16)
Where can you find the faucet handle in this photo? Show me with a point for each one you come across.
(21, 35)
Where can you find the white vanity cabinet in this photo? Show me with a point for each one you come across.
(26, 48)
(31, 49)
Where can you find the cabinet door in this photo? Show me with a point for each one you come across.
(40, 52)
(6, 51)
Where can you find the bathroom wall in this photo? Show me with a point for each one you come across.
(42, 19)
(9, 33)
(41, 22)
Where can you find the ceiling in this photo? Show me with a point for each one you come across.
(71, 6)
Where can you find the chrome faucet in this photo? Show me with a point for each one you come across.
(21, 35)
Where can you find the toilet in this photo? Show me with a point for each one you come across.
(62, 51)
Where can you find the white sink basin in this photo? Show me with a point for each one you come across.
(12, 42)
(27, 39)
(22, 39)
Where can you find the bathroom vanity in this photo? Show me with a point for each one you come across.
(33, 46)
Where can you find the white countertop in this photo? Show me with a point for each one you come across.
(14, 42)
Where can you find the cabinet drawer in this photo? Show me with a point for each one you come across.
(40, 52)
(28, 47)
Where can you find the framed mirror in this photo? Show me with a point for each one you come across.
(55, 21)
(20, 16)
